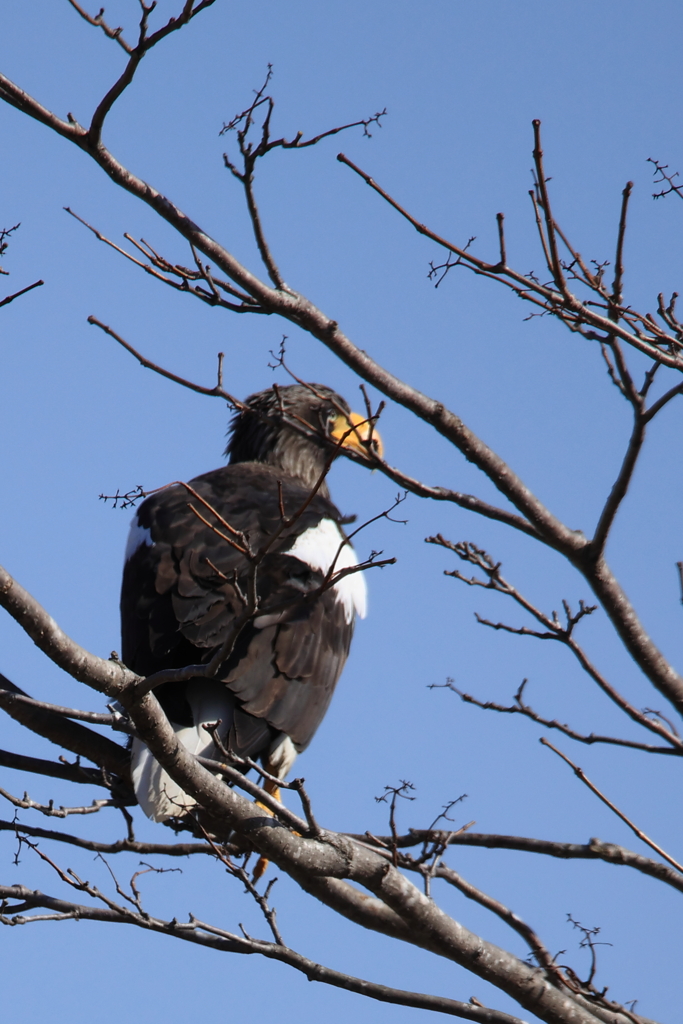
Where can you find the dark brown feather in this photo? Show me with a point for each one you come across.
(179, 602)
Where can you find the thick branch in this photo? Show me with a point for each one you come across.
(321, 867)
(121, 846)
(621, 484)
(639, 645)
(65, 733)
(106, 676)
(53, 769)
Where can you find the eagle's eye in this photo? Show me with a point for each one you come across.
(328, 417)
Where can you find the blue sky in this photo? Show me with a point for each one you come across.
(461, 83)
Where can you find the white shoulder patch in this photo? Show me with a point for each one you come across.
(137, 536)
(319, 547)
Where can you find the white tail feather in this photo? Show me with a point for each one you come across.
(158, 795)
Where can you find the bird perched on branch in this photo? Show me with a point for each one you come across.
(242, 570)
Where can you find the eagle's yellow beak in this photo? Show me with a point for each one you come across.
(358, 434)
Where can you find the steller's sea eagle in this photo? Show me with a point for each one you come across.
(184, 586)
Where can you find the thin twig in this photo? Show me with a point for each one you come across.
(120, 846)
(519, 707)
(576, 315)
(98, 21)
(50, 811)
(10, 298)
(579, 772)
(617, 286)
(216, 391)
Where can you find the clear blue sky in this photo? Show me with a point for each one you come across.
(461, 82)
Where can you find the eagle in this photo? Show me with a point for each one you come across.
(262, 525)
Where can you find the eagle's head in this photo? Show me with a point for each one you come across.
(296, 427)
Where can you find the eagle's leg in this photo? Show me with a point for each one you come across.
(263, 862)
(280, 759)
(273, 789)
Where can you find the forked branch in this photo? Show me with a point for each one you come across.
(145, 43)
(598, 318)
(251, 151)
(519, 707)
(553, 629)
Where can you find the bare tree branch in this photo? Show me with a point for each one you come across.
(106, 676)
(58, 729)
(326, 864)
(470, 553)
(135, 55)
(519, 707)
(670, 179)
(5, 234)
(113, 719)
(50, 811)
(579, 772)
(250, 152)
(621, 484)
(178, 277)
(53, 769)
(215, 392)
(515, 922)
(617, 286)
(596, 849)
(196, 931)
(120, 846)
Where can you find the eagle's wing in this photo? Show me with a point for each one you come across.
(184, 586)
